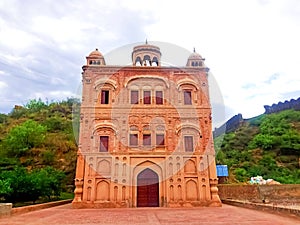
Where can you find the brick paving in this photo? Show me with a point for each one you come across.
(227, 214)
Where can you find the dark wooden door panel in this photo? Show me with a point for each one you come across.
(147, 189)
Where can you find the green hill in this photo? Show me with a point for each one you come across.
(37, 150)
(267, 145)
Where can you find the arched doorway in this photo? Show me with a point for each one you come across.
(147, 189)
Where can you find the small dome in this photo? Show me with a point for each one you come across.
(195, 55)
(95, 58)
(95, 53)
(195, 60)
(146, 55)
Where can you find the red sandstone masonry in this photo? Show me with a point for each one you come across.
(30, 208)
(260, 193)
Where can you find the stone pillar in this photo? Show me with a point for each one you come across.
(213, 182)
(79, 178)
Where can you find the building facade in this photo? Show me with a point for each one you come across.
(145, 134)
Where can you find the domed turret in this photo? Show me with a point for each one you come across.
(95, 58)
(146, 55)
(195, 60)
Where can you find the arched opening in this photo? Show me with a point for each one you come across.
(147, 189)
(138, 61)
(102, 191)
(154, 61)
(147, 60)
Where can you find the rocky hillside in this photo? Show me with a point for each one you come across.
(267, 145)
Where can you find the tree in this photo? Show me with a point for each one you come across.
(23, 137)
(22, 185)
(49, 181)
(5, 188)
(22, 188)
(35, 105)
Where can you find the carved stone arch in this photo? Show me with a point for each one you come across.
(134, 128)
(148, 164)
(109, 125)
(190, 166)
(106, 85)
(146, 88)
(104, 167)
(187, 126)
(191, 190)
(146, 120)
(187, 81)
(134, 87)
(160, 128)
(133, 119)
(166, 82)
(103, 191)
(102, 82)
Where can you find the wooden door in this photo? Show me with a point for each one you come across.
(147, 189)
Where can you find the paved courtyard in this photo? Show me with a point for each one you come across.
(227, 214)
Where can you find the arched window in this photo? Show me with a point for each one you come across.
(187, 97)
(133, 136)
(160, 135)
(147, 60)
(147, 97)
(104, 143)
(188, 144)
(147, 136)
(134, 97)
(138, 61)
(104, 96)
(154, 61)
(159, 97)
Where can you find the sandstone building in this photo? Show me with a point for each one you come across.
(145, 134)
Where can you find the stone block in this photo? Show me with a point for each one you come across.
(5, 209)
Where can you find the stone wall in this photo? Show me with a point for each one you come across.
(261, 193)
(280, 106)
(239, 192)
(232, 124)
(7, 210)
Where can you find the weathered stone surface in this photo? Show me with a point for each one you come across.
(284, 193)
(226, 214)
(5, 209)
(145, 119)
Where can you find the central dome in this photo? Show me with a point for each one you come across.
(146, 55)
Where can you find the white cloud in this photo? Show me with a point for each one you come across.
(2, 84)
(43, 45)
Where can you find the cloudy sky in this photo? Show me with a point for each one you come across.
(251, 47)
